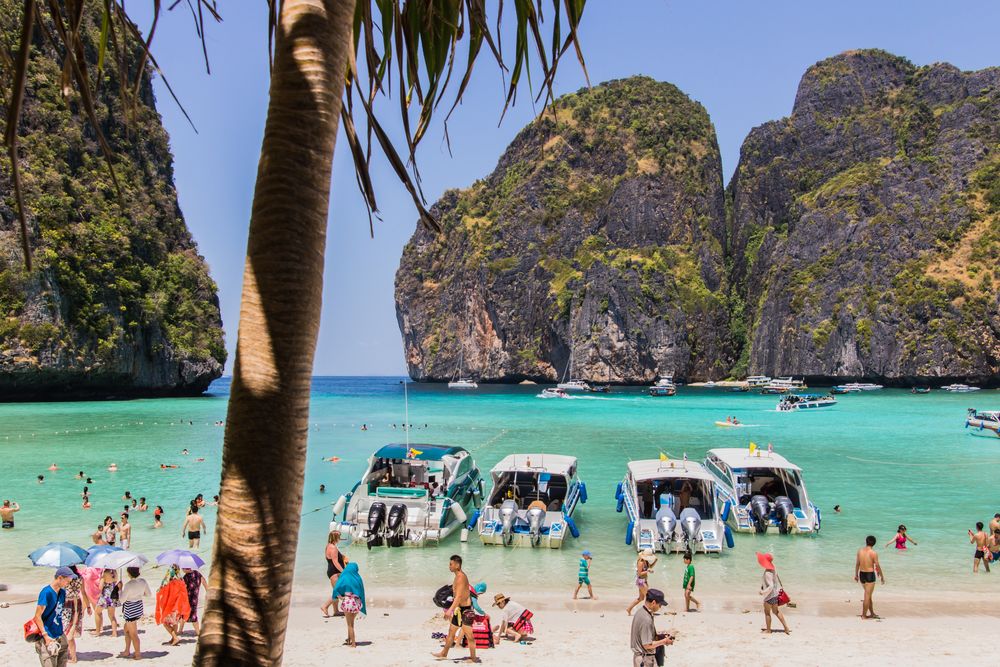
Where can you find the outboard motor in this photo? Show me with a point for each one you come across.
(376, 522)
(508, 513)
(666, 522)
(760, 511)
(783, 507)
(690, 522)
(535, 518)
(396, 525)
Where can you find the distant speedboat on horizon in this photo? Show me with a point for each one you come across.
(661, 390)
(862, 386)
(761, 492)
(783, 385)
(553, 392)
(959, 388)
(985, 424)
(920, 390)
(757, 380)
(531, 502)
(805, 402)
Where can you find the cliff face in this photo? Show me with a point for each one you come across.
(119, 303)
(599, 233)
(865, 233)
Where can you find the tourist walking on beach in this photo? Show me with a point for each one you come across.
(7, 514)
(350, 590)
(133, 591)
(515, 622)
(979, 539)
(335, 564)
(194, 581)
(172, 606)
(583, 575)
(108, 601)
(193, 525)
(689, 584)
(460, 612)
(901, 538)
(72, 613)
(772, 591)
(644, 640)
(865, 567)
(53, 646)
(643, 568)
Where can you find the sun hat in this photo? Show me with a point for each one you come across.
(648, 556)
(766, 561)
(586, 553)
(500, 597)
(66, 572)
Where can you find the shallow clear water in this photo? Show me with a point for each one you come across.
(886, 457)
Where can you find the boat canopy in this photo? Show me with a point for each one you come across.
(740, 458)
(418, 452)
(555, 464)
(656, 469)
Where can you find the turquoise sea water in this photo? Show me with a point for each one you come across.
(886, 457)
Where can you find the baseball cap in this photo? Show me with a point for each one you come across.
(586, 552)
(655, 595)
(66, 572)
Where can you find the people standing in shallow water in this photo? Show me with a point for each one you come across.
(193, 525)
(866, 565)
(979, 539)
(901, 538)
(7, 514)
(157, 516)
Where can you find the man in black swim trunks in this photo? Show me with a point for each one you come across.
(979, 539)
(865, 567)
(460, 612)
(7, 513)
(193, 524)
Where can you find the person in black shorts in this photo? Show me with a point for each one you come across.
(460, 612)
(865, 567)
(193, 523)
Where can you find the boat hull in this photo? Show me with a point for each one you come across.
(982, 429)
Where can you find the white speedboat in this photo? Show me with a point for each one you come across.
(666, 380)
(410, 495)
(758, 380)
(783, 386)
(573, 385)
(672, 506)
(959, 388)
(762, 492)
(463, 383)
(862, 386)
(660, 390)
(553, 392)
(792, 402)
(986, 424)
(532, 501)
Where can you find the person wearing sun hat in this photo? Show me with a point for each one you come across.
(770, 588)
(516, 620)
(583, 575)
(643, 568)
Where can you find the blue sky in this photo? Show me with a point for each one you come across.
(741, 60)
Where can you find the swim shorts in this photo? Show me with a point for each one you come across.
(867, 577)
(584, 581)
(194, 534)
(463, 616)
(979, 553)
(8, 524)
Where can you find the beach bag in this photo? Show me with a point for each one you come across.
(443, 598)
(783, 598)
(31, 631)
(482, 632)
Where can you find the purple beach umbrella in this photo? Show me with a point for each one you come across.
(180, 558)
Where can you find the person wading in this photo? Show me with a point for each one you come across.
(865, 567)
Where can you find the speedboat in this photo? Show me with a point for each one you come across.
(532, 501)
(986, 424)
(410, 495)
(599, 388)
(666, 380)
(761, 492)
(862, 386)
(836, 390)
(804, 402)
(672, 506)
(758, 380)
(660, 390)
(463, 383)
(920, 390)
(553, 392)
(783, 386)
(960, 388)
(573, 385)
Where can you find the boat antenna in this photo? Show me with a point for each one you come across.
(406, 414)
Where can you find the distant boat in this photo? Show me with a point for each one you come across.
(758, 380)
(571, 384)
(805, 402)
(985, 424)
(662, 390)
(920, 390)
(862, 386)
(783, 386)
(959, 388)
(553, 392)
(739, 389)
(462, 382)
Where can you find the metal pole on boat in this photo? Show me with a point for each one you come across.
(406, 414)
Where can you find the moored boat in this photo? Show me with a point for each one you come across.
(960, 388)
(531, 502)
(758, 380)
(553, 392)
(573, 385)
(463, 383)
(410, 495)
(761, 491)
(986, 424)
(672, 506)
(659, 390)
(805, 402)
(920, 390)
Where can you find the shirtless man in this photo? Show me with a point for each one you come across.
(995, 523)
(7, 513)
(125, 532)
(460, 612)
(979, 539)
(193, 525)
(865, 567)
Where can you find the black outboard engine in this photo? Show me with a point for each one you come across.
(783, 508)
(690, 522)
(396, 526)
(760, 512)
(376, 522)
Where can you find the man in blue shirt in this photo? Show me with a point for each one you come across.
(52, 648)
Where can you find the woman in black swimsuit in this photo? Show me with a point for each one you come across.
(335, 564)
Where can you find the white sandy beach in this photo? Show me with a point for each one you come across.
(948, 629)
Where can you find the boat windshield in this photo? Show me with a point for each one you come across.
(677, 494)
(527, 488)
(768, 482)
(405, 473)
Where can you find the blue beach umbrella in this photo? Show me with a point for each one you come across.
(180, 558)
(97, 550)
(57, 554)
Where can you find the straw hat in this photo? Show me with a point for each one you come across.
(647, 555)
(500, 597)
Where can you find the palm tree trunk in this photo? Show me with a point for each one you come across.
(263, 458)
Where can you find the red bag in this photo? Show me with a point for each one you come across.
(783, 597)
(482, 632)
(31, 631)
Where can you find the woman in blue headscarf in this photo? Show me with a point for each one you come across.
(351, 591)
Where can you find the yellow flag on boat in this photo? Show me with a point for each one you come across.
(412, 453)
(664, 457)
(753, 447)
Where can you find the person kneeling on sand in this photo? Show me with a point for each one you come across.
(516, 621)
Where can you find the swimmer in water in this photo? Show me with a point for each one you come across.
(113, 467)
(90, 481)
(184, 451)
(79, 475)
(322, 488)
(41, 479)
(53, 467)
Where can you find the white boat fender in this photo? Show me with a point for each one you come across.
(464, 535)
(459, 512)
(338, 506)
